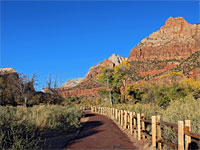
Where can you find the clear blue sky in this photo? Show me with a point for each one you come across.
(66, 38)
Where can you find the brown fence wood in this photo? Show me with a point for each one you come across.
(134, 125)
(143, 126)
(194, 135)
(147, 121)
(147, 135)
(131, 122)
(168, 143)
(187, 138)
(158, 133)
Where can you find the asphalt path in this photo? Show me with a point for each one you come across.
(100, 133)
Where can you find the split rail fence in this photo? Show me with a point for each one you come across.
(136, 124)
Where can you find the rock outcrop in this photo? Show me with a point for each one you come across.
(72, 83)
(177, 39)
(116, 59)
(7, 71)
(111, 62)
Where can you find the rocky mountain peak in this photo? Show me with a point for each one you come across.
(112, 61)
(171, 22)
(177, 39)
(116, 59)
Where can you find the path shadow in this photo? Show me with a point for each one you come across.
(88, 129)
(194, 145)
(89, 115)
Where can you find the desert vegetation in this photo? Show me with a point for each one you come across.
(29, 118)
(28, 127)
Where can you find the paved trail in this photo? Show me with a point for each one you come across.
(100, 133)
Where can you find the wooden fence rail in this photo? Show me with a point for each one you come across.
(136, 124)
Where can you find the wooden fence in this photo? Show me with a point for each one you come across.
(136, 124)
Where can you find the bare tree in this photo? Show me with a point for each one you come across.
(25, 87)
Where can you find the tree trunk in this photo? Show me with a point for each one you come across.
(110, 96)
(25, 101)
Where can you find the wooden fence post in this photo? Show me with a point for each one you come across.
(100, 110)
(128, 119)
(110, 112)
(119, 116)
(131, 122)
(187, 138)
(158, 133)
(113, 113)
(134, 125)
(180, 135)
(143, 126)
(154, 132)
(138, 127)
(122, 117)
(116, 114)
(125, 119)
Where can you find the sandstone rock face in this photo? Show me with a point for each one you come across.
(93, 72)
(80, 92)
(111, 62)
(177, 39)
(72, 83)
(107, 63)
(116, 59)
(7, 70)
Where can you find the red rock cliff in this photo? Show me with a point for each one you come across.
(175, 40)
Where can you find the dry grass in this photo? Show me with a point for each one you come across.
(26, 128)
